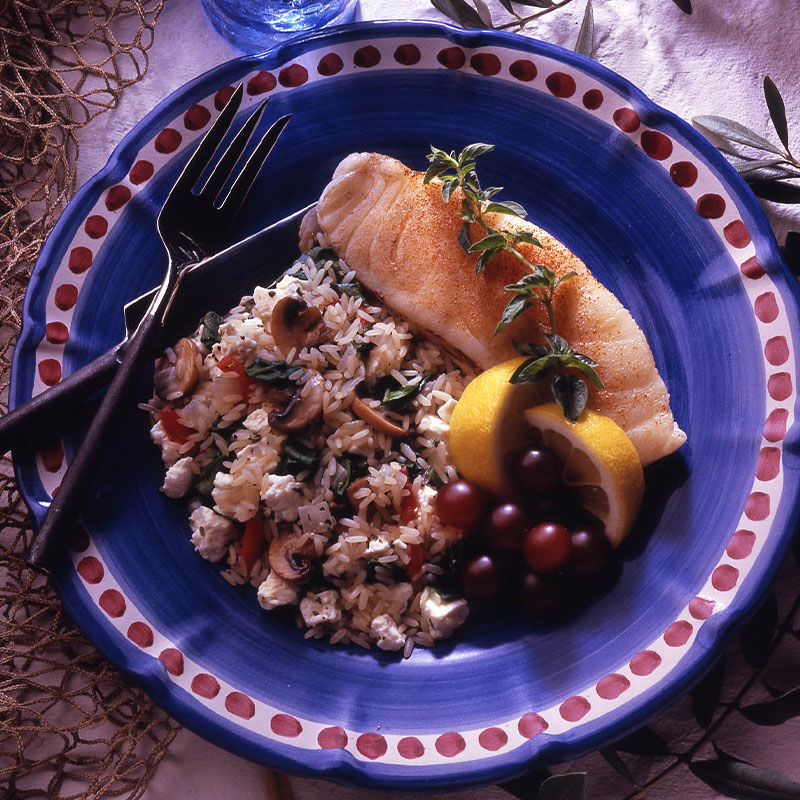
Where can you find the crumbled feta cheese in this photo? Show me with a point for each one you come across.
(315, 517)
(238, 338)
(321, 608)
(170, 451)
(263, 301)
(211, 533)
(275, 591)
(445, 411)
(234, 499)
(258, 422)
(442, 616)
(384, 629)
(432, 426)
(377, 548)
(178, 479)
(283, 496)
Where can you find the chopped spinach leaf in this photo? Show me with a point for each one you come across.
(204, 484)
(296, 457)
(399, 398)
(395, 572)
(433, 478)
(209, 336)
(342, 476)
(270, 371)
(351, 289)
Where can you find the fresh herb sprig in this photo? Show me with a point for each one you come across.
(565, 367)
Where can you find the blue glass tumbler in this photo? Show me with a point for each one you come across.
(254, 25)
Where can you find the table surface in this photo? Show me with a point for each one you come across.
(712, 62)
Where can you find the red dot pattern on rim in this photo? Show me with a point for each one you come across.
(240, 705)
(485, 63)
(775, 425)
(612, 686)
(66, 296)
(724, 577)
(450, 744)
(117, 197)
(410, 747)
(285, 725)
(757, 506)
(168, 141)
(752, 269)
(523, 70)
(52, 456)
(173, 660)
(493, 739)
(741, 544)
(451, 57)
(330, 64)
(56, 332)
(222, 96)
(701, 607)
(205, 685)
(371, 745)
(656, 145)
(683, 173)
(560, 84)
(769, 464)
(574, 708)
(140, 172)
(196, 117)
(293, 75)
(261, 82)
(766, 307)
(592, 99)
(96, 226)
(776, 350)
(141, 633)
(678, 633)
(779, 385)
(49, 371)
(112, 602)
(332, 738)
(90, 569)
(80, 259)
(407, 54)
(531, 724)
(626, 119)
(367, 56)
(80, 539)
(645, 662)
(736, 234)
(710, 206)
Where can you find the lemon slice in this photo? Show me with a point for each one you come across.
(599, 462)
(487, 423)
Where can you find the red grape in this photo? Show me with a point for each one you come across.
(547, 547)
(506, 528)
(541, 592)
(461, 504)
(481, 578)
(535, 470)
(591, 550)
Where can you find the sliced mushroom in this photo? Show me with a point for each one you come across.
(294, 323)
(376, 419)
(290, 557)
(176, 379)
(359, 483)
(304, 407)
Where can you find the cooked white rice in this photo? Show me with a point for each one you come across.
(361, 593)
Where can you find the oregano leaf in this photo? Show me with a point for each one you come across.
(508, 207)
(514, 309)
(463, 237)
(570, 392)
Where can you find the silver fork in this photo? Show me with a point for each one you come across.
(191, 227)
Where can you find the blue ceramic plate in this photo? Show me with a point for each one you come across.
(660, 219)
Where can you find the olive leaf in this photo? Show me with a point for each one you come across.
(527, 786)
(684, 5)
(743, 781)
(643, 742)
(777, 110)
(585, 43)
(776, 711)
(791, 255)
(735, 132)
(705, 695)
(569, 786)
(620, 767)
(459, 11)
(484, 13)
(776, 191)
(756, 636)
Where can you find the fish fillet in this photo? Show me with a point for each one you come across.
(399, 237)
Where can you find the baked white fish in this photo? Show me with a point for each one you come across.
(399, 237)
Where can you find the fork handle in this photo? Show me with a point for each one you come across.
(66, 505)
(33, 422)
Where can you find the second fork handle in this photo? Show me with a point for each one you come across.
(46, 414)
(82, 471)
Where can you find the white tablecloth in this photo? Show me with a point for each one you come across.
(712, 62)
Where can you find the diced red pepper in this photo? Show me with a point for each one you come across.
(172, 426)
(409, 503)
(252, 542)
(415, 561)
(231, 364)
